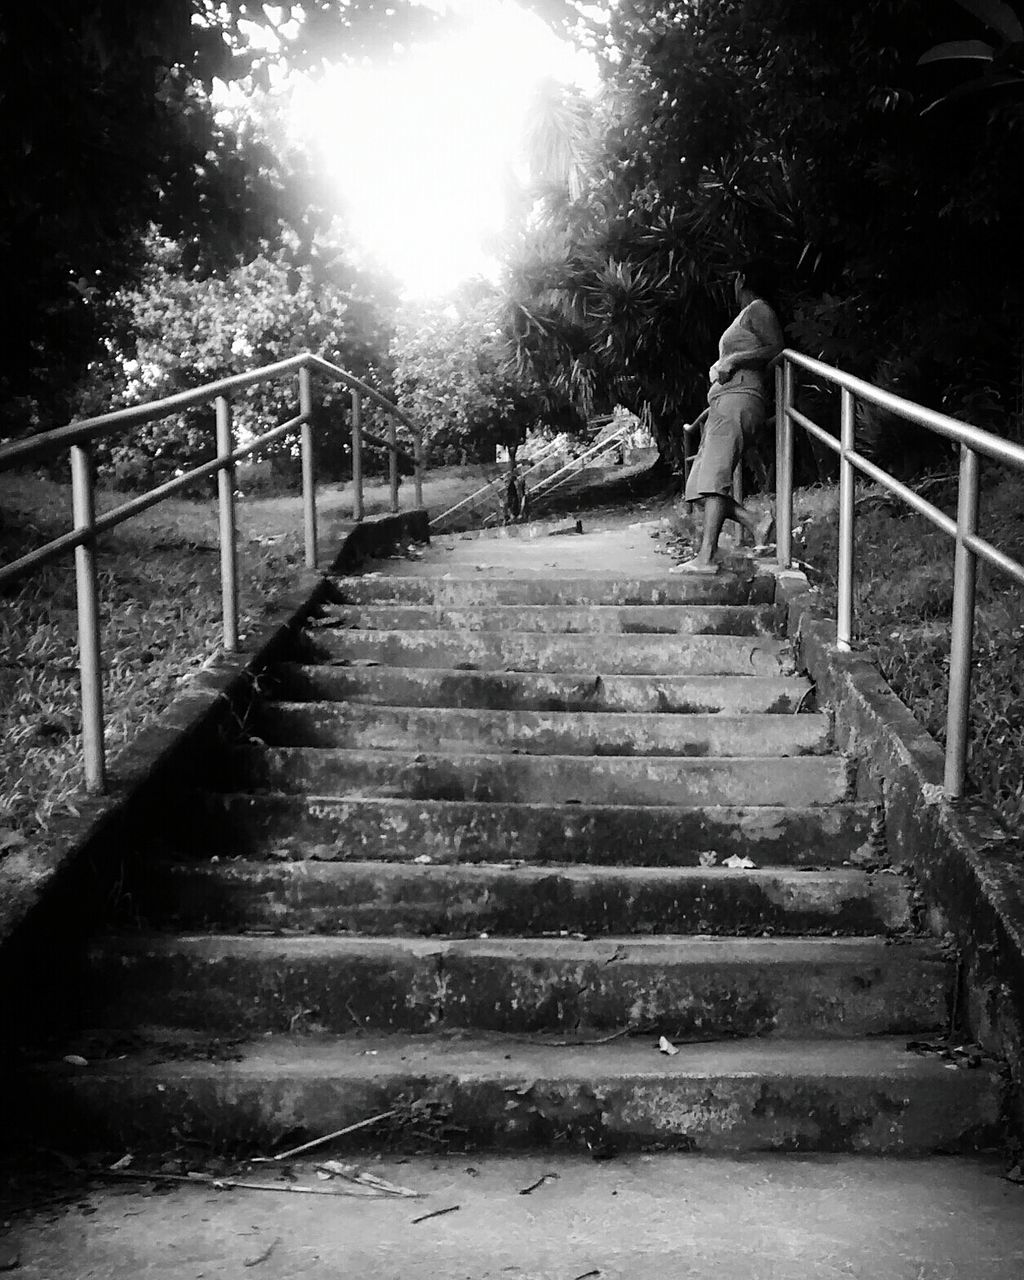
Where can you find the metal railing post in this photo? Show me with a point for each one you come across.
(844, 614)
(357, 458)
(83, 505)
(308, 467)
(784, 464)
(418, 457)
(393, 461)
(228, 531)
(965, 572)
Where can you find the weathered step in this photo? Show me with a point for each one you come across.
(561, 779)
(664, 619)
(442, 729)
(532, 651)
(450, 832)
(384, 898)
(473, 591)
(543, 691)
(868, 1096)
(683, 987)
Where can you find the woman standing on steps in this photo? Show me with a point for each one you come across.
(737, 407)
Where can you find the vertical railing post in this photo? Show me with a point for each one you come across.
(844, 614)
(228, 532)
(357, 458)
(308, 467)
(418, 458)
(393, 461)
(83, 505)
(965, 569)
(783, 464)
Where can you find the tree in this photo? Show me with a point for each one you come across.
(108, 128)
(592, 305)
(178, 331)
(1002, 63)
(776, 127)
(452, 372)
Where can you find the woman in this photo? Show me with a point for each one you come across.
(737, 407)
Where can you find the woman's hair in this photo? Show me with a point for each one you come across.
(761, 276)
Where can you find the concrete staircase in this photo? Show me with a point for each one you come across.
(469, 861)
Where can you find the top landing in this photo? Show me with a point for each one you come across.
(609, 547)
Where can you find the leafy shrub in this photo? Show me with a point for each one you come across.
(178, 332)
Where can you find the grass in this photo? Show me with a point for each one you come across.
(902, 606)
(161, 619)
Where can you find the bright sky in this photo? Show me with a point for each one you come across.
(420, 151)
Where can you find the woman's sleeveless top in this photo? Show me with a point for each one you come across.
(740, 336)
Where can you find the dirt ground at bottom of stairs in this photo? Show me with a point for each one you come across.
(549, 1217)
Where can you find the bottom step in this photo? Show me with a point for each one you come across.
(502, 1092)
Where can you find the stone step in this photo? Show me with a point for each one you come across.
(588, 656)
(451, 832)
(543, 691)
(868, 1096)
(478, 589)
(458, 731)
(663, 619)
(561, 779)
(384, 898)
(683, 987)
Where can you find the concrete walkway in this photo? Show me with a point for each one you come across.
(654, 1217)
(608, 545)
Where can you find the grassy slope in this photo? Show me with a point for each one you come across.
(160, 592)
(903, 600)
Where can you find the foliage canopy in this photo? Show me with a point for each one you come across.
(786, 128)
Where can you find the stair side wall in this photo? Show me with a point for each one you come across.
(970, 869)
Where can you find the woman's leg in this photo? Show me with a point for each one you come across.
(718, 507)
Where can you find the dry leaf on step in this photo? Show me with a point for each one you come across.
(736, 863)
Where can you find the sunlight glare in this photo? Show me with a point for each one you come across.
(422, 152)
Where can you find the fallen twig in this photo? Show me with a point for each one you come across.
(328, 1137)
(544, 1178)
(218, 1184)
(436, 1214)
(336, 1168)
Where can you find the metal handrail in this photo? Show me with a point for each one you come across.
(79, 437)
(478, 495)
(970, 547)
(547, 484)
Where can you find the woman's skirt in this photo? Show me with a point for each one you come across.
(733, 420)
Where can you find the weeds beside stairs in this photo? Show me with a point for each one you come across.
(484, 844)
